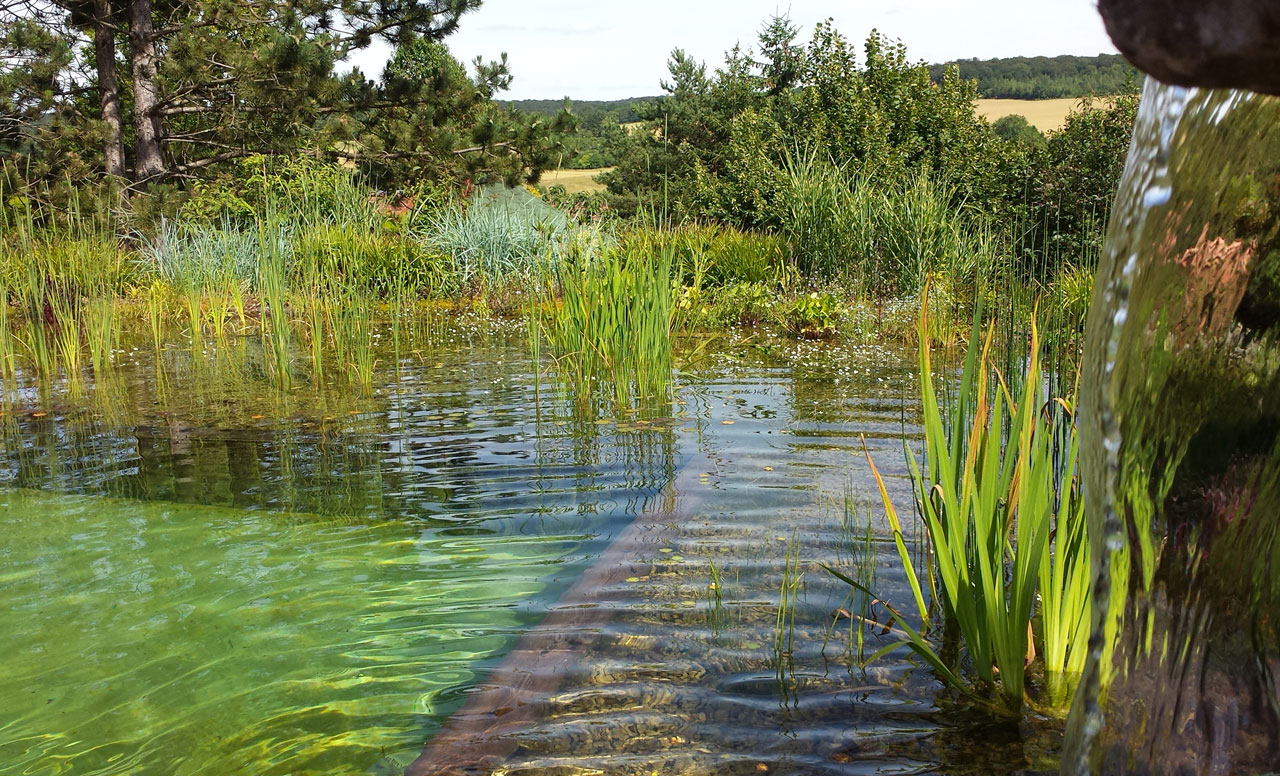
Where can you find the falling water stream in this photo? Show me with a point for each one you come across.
(1181, 409)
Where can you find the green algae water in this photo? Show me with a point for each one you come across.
(183, 639)
(201, 573)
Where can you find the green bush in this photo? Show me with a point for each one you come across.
(290, 187)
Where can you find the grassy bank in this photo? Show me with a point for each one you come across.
(310, 258)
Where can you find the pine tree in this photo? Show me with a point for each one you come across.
(212, 81)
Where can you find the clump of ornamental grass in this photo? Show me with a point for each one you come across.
(498, 236)
(1000, 500)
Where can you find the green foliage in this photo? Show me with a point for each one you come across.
(714, 255)
(607, 319)
(292, 187)
(1016, 129)
(813, 316)
(499, 234)
(1068, 190)
(718, 144)
(737, 304)
(1043, 78)
(883, 235)
(378, 264)
(224, 82)
(1001, 503)
(193, 255)
(439, 123)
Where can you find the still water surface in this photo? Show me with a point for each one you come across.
(202, 576)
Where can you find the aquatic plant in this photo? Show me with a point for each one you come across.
(609, 326)
(8, 347)
(815, 315)
(857, 539)
(357, 328)
(885, 236)
(998, 484)
(274, 324)
(784, 629)
(102, 332)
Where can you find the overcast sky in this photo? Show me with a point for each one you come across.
(611, 49)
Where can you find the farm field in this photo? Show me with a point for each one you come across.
(574, 181)
(1044, 115)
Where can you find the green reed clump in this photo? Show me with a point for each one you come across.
(1002, 509)
(856, 551)
(8, 347)
(102, 332)
(609, 327)
(885, 236)
(784, 628)
(356, 316)
(209, 266)
(274, 324)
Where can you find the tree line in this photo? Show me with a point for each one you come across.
(1044, 78)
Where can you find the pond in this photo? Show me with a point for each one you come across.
(202, 574)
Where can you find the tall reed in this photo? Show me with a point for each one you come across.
(610, 327)
(102, 332)
(883, 236)
(275, 326)
(997, 485)
(8, 347)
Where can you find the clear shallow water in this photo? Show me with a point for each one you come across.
(200, 575)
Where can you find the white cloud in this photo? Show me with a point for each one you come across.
(608, 49)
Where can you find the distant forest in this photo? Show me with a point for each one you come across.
(1044, 78)
(1015, 78)
(624, 110)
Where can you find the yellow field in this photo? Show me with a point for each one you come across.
(573, 181)
(1044, 115)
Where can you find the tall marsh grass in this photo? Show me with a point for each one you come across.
(884, 236)
(607, 320)
(1000, 500)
